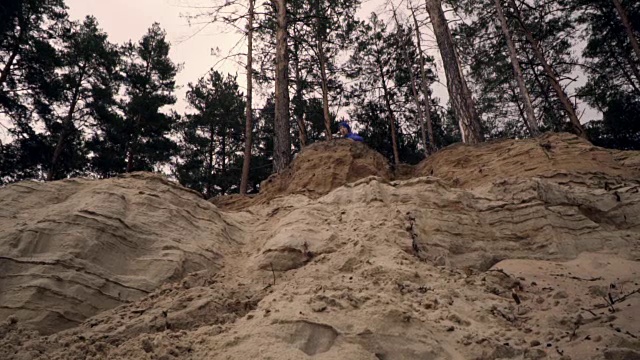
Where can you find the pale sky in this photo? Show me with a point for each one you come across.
(125, 20)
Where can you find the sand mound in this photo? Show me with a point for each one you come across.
(379, 269)
(74, 248)
(316, 170)
(554, 156)
(324, 166)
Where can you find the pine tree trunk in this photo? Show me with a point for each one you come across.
(425, 86)
(416, 99)
(553, 79)
(131, 147)
(130, 155)
(282, 140)
(4, 75)
(325, 91)
(223, 146)
(323, 71)
(298, 100)
(459, 93)
(392, 117)
(627, 26)
(248, 131)
(530, 118)
(66, 125)
(7, 67)
(210, 165)
(299, 110)
(414, 89)
(521, 111)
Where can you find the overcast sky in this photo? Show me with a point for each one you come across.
(125, 20)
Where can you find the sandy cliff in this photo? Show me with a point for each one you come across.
(510, 250)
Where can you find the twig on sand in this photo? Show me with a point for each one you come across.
(578, 278)
(609, 303)
(500, 271)
(589, 311)
(274, 274)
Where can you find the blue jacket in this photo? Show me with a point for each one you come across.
(354, 137)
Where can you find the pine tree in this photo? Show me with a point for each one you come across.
(88, 67)
(212, 136)
(29, 31)
(369, 64)
(425, 79)
(530, 117)
(552, 75)
(459, 93)
(613, 85)
(149, 81)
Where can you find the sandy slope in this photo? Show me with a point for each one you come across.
(425, 268)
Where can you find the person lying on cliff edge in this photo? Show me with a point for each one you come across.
(346, 133)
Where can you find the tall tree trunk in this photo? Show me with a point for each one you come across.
(298, 99)
(392, 117)
(4, 75)
(553, 79)
(210, 165)
(223, 146)
(282, 140)
(530, 118)
(425, 85)
(325, 90)
(459, 93)
(131, 147)
(521, 111)
(323, 70)
(627, 26)
(414, 89)
(248, 131)
(67, 123)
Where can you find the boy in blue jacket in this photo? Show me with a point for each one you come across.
(345, 131)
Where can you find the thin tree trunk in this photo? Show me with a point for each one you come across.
(66, 125)
(298, 100)
(323, 71)
(14, 53)
(627, 26)
(223, 145)
(634, 70)
(564, 99)
(282, 139)
(210, 165)
(131, 152)
(459, 93)
(248, 131)
(425, 86)
(414, 89)
(520, 110)
(530, 118)
(392, 117)
(543, 87)
(325, 91)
